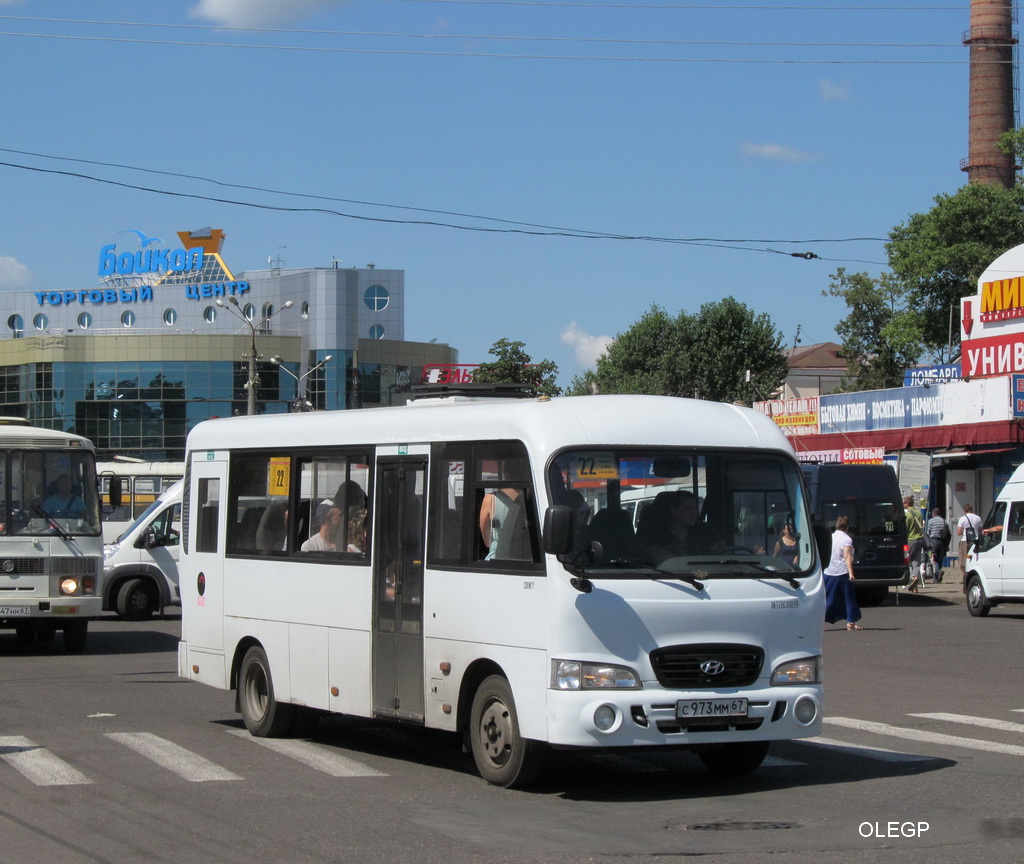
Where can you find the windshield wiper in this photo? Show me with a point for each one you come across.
(583, 584)
(760, 568)
(55, 526)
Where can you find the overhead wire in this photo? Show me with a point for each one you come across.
(516, 227)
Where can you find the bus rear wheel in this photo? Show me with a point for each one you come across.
(262, 714)
(503, 757)
(735, 759)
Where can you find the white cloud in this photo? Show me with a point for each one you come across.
(256, 13)
(13, 274)
(777, 153)
(588, 348)
(832, 92)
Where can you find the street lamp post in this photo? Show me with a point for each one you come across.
(253, 384)
(302, 403)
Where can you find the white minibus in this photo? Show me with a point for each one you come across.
(140, 568)
(465, 564)
(51, 549)
(994, 570)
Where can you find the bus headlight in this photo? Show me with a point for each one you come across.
(68, 586)
(577, 675)
(805, 670)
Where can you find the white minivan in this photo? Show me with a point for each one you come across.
(140, 568)
(994, 572)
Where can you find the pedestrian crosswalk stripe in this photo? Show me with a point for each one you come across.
(169, 755)
(923, 735)
(313, 755)
(966, 719)
(878, 753)
(38, 765)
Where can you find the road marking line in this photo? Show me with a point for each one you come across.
(924, 735)
(313, 755)
(988, 723)
(38, 765)
(166, 754)
(879, 753)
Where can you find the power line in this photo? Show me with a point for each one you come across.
(503, 56)
(310, 196)
(552, 232)
(485, 36)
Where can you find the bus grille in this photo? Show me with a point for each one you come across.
(40, 566)
(678, 667)
(23, 566)
(75, 566)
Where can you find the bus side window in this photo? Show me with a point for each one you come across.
(209, 507)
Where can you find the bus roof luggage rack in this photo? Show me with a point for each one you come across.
(473, 391)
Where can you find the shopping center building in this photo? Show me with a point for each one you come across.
(164, 339)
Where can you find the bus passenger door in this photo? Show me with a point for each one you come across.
(398, 542)
(202, 579)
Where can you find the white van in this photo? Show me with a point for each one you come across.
(994, 572)
(140, 568)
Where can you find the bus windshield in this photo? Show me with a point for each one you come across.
(715, 512)
(49, 492)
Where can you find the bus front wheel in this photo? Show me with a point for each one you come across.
(134, 601)
(262, 714)
(503, 757)
(978, 603)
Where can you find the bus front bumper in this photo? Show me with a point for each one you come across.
(646, 717)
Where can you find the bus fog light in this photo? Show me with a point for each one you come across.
(805, 710)
(68, 586)
(606, 717)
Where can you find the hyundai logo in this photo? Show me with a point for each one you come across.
(712, 667)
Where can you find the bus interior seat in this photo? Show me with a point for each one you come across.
(612, 527)
(302, 522)
(248, 528)
(270, 535)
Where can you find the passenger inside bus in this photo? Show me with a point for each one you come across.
(503, 525)
(325, 540)
(670, 527)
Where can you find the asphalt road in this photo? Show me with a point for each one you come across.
(109, 757)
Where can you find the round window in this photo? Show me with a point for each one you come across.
(170, 317)
(376, 332)
(377, 298)
(85, 320)
(128, 319)
(40, 322)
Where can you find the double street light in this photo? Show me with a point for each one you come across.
(253, 384)
(302, 402)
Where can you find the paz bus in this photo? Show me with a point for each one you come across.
(142, 483)
(51, 549)
(465, 564)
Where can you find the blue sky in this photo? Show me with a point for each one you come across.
(755, 130)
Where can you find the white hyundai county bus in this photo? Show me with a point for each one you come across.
(465, 564)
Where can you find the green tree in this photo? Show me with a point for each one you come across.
(514, 366)
(938, 256)
(723, 353)
(881, 337)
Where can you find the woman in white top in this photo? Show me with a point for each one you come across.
(840, 593)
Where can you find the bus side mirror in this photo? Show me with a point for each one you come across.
(114, 491)
(823, 540)
(558, 525)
